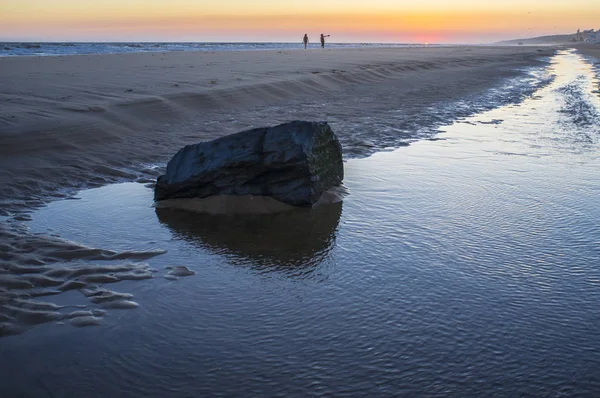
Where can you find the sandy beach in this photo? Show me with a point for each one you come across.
(74, 121)
(297, 199)
(465, 260)
(462, 265)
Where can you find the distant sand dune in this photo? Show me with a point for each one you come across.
(552, 40)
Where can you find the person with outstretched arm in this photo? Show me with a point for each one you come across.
(323, 40)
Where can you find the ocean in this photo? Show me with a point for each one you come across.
(8, 49)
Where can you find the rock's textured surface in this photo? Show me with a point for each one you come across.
(294, 162)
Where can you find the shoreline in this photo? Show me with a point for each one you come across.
(69, 123)
(50, 49)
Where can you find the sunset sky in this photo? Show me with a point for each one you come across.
(439, 21)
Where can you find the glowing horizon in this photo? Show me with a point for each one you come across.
(466, 21)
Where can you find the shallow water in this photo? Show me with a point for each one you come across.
(468, 265)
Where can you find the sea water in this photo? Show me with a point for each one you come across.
(77, 48)
(465, 265)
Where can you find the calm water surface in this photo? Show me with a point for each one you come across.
(464, 266)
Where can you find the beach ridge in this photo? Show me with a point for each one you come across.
(84, 121)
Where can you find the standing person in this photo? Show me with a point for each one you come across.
(323, 40)
(305, 40)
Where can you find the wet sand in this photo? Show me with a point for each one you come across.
(592, 50)
(73, 122)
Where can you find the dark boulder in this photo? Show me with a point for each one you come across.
(294, 163)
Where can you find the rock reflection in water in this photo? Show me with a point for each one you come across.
(294, 242)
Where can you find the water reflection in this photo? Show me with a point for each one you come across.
(294, 242)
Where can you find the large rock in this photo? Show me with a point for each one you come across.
(293, 162)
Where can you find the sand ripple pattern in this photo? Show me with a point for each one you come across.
(35, 266)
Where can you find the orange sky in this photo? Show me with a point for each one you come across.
(443, 21)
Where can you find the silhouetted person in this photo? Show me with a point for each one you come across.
(305, 40)
(323, 40)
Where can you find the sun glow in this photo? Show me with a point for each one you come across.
(264, 20)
